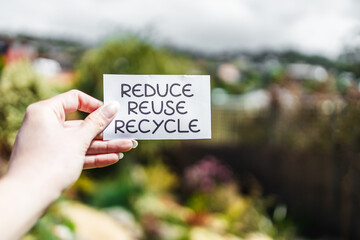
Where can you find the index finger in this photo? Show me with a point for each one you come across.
(76, 100)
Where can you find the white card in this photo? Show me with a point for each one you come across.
(159, 106)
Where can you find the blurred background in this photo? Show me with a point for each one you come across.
(284, 160)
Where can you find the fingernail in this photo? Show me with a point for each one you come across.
(135, 143)
(121, 155)
(110, 109)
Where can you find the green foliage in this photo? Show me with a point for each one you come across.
(119, 191)
(130, 181)
(19, 87)
(127, 56)
(51, 225)
(147, 191)
(157, 178)
(2, 63)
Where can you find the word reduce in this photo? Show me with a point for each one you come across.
(166, 106)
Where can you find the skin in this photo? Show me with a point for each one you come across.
(49, 154)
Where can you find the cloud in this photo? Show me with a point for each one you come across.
(313, 26)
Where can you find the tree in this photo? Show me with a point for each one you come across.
(129, 55)
(19, 87)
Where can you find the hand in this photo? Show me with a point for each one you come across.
(49, 155)
(48, 148)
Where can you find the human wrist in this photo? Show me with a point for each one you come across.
(23, 201)
(27, 184)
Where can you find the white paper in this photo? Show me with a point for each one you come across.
(159, 106)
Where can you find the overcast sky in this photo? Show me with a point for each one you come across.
(311, 26)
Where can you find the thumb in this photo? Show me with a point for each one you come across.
(98, 120)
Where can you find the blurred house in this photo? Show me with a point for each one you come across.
(50, 59)
(18, 50)
(229, 73)
(252, 101)
(302, 71)
(47, 67)
(255, 101)
(346, 79)
(4, 44)
(52, 71)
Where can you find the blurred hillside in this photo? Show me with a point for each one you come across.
(283, 161)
